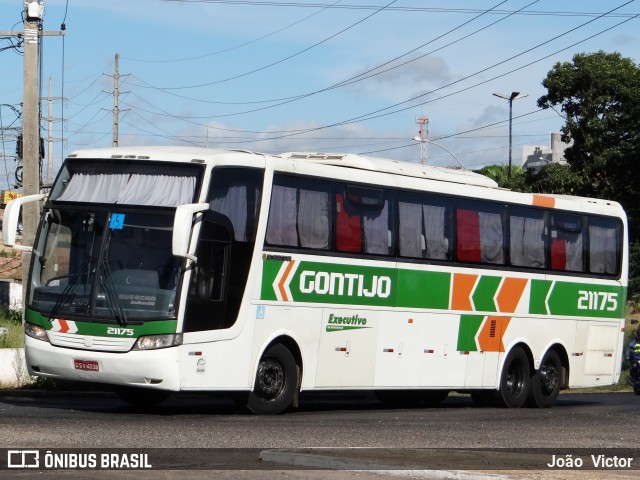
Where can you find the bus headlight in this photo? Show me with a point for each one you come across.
(153, 342)
(35, 331)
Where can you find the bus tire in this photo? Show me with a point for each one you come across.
(515, 380)
(276, 382)
(545, 383)
(141, 397)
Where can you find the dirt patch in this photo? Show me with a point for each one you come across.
(10, 263)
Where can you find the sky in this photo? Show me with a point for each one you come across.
(350, 76)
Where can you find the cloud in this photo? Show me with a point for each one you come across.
(625, 39)
(490, 114)
(405, 76)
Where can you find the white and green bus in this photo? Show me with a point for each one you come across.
(165, 269)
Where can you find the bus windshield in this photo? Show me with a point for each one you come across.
(105, 264)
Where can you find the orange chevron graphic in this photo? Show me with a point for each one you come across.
(490, 336)
(510, 293)
(64, 326)
(463, 284)
(283, 281)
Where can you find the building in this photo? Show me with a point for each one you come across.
(537, 156)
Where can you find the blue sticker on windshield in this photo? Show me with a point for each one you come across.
(117, 221)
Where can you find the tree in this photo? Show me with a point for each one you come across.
(599, 93)
(500, 173)
(555, 178)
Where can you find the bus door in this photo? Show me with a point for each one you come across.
(207, 307)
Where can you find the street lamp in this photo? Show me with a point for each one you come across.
(510, 98)
(424, 140)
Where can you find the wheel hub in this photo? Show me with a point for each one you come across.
(548, 378)
(270, 381)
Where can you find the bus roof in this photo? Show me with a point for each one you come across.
(355, 162)
(395, 167)
(347, 160)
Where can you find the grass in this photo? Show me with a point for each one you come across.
(12, 321)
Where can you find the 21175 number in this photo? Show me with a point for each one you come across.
(589, 300)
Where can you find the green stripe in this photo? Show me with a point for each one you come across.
(469, 326)
(343, 284)
(586, 300)
(485, 292)
(539, 292)
(150, 327)
(270, 270)
(326, 283)
(420, 289)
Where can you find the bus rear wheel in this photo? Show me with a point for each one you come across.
(545, 383)
(276, 382)
(515, 380)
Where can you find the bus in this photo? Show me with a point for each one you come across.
(168, 269)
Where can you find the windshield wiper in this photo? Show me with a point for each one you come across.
(68, 294)
(110, 288)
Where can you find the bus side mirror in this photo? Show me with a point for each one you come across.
(182, 224)
(11, 217)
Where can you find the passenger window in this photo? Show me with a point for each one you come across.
(480, 233)
(567, 242)
(424, 227)
(362, 221)
(235, 193)
(604, 246)
(348, 227)
(528, 238)
(299, 214)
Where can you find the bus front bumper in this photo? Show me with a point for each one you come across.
(148, 368)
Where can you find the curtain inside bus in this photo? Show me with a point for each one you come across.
(134, 189)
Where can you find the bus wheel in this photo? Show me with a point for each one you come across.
(545, 383)
(515, 380)
(276, 382)
(141, 397)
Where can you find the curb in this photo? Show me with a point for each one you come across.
(324, 462)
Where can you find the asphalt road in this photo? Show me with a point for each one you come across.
(349, 428)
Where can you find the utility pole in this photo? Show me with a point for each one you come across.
(33, 19)
(510, 98)
(33, 16)
(50, 138)
(116, 94)
(116, 99)
(422, 138)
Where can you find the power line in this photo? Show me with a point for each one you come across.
(378, 113)
(356, 78)
(558, 13)
(235, 47)
(360, 77)
(282, 60)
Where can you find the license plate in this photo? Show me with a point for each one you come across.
(90, 365)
